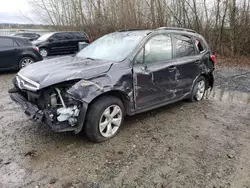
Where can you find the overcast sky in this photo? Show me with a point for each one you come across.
(11, 11)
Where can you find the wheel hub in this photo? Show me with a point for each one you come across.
(200, 90)
(110, 121)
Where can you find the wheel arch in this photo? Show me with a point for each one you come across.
(209, 78)
(125, 99)
(23, 56)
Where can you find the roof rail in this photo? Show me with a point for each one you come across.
(124, 30)
(176, 28)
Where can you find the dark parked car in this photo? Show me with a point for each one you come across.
(122, 73)
(16, 52)
(29, 36)
(60, 42)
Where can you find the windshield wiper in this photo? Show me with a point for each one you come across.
(91, 58)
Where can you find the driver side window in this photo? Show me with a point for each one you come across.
(157, 49)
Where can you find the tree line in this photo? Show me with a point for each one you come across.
(224, 23)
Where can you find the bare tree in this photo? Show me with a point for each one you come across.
(223, 22)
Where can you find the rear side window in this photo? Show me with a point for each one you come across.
(81, 35)
(69, 36)
(184, 46)
(6, 42)
(23, 42)
(59, 36)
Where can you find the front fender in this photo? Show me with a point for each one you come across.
(87, 90)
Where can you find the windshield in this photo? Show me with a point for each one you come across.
(45, 36)
(112, 47)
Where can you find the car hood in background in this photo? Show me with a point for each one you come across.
(37, 42)
(57, 70)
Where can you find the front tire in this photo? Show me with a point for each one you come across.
(199, 89)
(44, 52)
(104, 118)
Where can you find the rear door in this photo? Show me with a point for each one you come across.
(72, 43)
(58, 43)
(189, 63)
(9, 52)
(154, 72)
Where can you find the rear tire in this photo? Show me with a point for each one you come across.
(104, 118)
(25, 61)
(199, 89)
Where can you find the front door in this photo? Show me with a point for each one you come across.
(155, 72)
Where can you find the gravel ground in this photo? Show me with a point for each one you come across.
(186, 144)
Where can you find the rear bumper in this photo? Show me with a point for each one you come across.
(42, 116)
(38, 57)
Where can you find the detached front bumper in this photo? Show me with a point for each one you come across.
(40, 116)
(31, 110)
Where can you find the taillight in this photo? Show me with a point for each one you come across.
(213, 59)
(36, 48)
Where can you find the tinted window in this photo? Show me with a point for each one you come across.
(80, 35)
(69, 36)
(23, 42)
(59, 36)
(157, 49)
(184, 46)
(5, 42)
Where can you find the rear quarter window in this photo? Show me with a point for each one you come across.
(23, 42)
(200, 45)
(81, 35)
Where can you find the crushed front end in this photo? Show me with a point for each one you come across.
(51, 105)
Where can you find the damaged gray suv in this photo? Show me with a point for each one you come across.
(122, 73)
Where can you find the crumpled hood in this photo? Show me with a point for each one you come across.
(57, 70)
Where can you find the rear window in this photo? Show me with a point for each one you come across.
(6, 42)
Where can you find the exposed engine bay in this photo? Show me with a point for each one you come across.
(62, 107)
(55, 105)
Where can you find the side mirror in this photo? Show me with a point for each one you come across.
(51, 40)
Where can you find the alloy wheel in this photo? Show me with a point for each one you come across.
(26, 61)
(200, 90)
(44, 52)
(110, 121)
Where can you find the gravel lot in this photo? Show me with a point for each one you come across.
(186, 144)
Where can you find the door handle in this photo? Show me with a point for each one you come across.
(172, 68)
(198, 62)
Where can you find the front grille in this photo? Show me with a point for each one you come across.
(27, 84)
